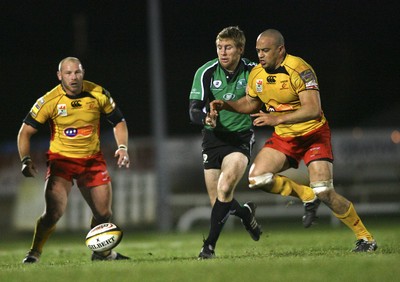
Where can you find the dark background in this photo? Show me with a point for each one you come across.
(352, 45)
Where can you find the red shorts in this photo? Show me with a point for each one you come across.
(315, 145)
(88, 172)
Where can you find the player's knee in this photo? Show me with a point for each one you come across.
(262, 180)
(322, 187)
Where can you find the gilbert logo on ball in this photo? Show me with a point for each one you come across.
(104, 237)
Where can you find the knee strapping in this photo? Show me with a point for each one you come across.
(260, 180)
(322, 186)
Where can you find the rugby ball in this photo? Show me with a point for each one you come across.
(104, 237)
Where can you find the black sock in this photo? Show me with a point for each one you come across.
(219, 215)
(239, 211)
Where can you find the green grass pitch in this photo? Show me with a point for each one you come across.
(285, 252)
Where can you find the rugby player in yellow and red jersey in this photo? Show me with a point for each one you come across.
(289, 89)
(73, 110)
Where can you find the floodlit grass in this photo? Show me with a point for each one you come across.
(284, 253)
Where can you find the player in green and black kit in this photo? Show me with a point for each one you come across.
(227, 142)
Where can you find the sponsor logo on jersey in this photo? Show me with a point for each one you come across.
(259, 85)
(62, 110)
(229, 96)
(271, 79)
(217, 83)
(76, 104)
(73, 132)
(36, 107)
(40, 101)
(309, 79)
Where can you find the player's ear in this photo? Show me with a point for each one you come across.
(59, 75)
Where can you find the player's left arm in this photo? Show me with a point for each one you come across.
(116, 118)
(310, 109)
(121, 137)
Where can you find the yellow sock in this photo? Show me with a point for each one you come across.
(287, 187)
(40, 236)
(353, 221)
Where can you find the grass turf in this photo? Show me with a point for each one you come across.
(284, 253)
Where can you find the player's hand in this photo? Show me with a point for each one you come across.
(215, 107)
(211, 121)
(263, 119)
(28, 169)
(123, 157)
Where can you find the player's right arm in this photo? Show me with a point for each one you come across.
(200, 93)
(245, 105)
(24, 144)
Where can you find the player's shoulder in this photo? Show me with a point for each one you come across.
(209, 65)
(53, 94)
(295, 63)
(248, 62)
(95, 89)
(89, 86)
(257, 70)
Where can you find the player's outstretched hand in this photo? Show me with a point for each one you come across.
(215, 107)
(211, 120)
(123, 157)
(28, 169)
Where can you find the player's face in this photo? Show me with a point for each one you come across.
(228, 54)
(269, 54)
(71, 77)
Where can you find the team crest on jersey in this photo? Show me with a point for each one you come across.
(241, 83)
(229, 96)
(259, 85)
(217, 83)
(62, 110)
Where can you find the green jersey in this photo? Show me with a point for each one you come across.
(212, 82)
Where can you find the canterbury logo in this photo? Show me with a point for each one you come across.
(271, 79)
(76, 104)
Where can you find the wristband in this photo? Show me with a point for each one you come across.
(123, 147)
(25, 159)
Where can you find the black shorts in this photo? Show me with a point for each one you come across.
(216, 145)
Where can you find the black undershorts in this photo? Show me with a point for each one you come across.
(217, 145)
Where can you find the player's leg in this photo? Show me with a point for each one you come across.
(223, 182)
(211, 177)
(263, 176)
(234, 166)
(270, 161)
(99, 199)
(321, 181)
(57, 190)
